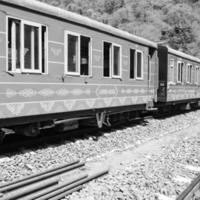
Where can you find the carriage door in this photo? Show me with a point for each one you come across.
(151, 58)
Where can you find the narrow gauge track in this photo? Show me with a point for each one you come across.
(48, 184)
(192, 192)
(50, 136)
(15, 142)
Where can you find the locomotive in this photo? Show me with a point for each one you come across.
(56, 65)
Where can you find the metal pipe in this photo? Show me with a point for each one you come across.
(41, 177)
(35, 175)
(72, 119)
(53, 188)
(31, 188)
(62, 195)
(64, 189)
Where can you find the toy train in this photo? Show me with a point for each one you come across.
(57, 65)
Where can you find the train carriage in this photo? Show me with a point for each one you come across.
(179, 77)
(55, 64)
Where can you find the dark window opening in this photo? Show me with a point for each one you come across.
(44, 53)
(106, 59)
(139, 65)
(116, 66)
(180, 72)
(132, 63)
(84, 60)
(72, 53)
(189, 73)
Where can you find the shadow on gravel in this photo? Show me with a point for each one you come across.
(17, 143)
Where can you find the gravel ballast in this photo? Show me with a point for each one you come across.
(137, 180)
(150, 178)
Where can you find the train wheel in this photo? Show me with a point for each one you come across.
(32, 130)
(29, 130)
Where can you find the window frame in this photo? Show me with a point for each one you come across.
(78, 73)
(134, 69)
(196, 75)
(24, 22)
(112, 61)
(22, 69)
(142, 65)
(171, 69)
(66, 53)
(46, 52)
(181, 66)
(90, 57)
(188, 69)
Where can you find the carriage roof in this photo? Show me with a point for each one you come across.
(183, 55)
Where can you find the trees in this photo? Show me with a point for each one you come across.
(177, 21)
(180, 34)
(113, 5)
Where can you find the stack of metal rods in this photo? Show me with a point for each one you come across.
(45, 185)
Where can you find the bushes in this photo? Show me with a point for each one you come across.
(176, 21)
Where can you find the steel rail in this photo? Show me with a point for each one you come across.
(62, 195)
(67, 188)
(41, 177)
(28, 189)
(44, 172)
(189, 191)
(53, 188)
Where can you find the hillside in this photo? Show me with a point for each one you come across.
(174, 21)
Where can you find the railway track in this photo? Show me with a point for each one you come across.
(192, 192)
(51, 136)
(52, 184)
(16, 142)
(61, 153)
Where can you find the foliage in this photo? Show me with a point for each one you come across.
(175, 21)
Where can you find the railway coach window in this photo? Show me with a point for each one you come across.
(78, 51)
(85, 56)
(139, 60)
(189, 73)
(73, 55)
(14, 45)
(136, 64)
(116, 61)
(197, 75)
(26, 46)
(111, 60)
(180, 72)
(172, 70)
(107, 59)
(132, 63)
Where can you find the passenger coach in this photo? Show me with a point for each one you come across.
(55, 64)
(179, 78)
